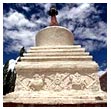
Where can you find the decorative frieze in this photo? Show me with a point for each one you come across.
(58, 81)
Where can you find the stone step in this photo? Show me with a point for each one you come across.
(57, 58)
(72, 98)
(56, 47)
(56, 54)
(57, 66)
(56, 50)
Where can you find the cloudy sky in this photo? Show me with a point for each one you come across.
(88, 23)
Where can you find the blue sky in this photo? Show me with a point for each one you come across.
(88, 23)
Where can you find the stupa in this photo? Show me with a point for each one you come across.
(56, 71)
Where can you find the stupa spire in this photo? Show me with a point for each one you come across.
(53, 12)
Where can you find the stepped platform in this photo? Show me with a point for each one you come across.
(58, 50)
(56, 58)
(56, 54)
(56, 47)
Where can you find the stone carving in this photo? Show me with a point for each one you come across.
(95, 85)
(60, 81)
(37, 82)
(22, 83)
(57, 81)
(34, 83)
(77, 81)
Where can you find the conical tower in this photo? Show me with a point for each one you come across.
(56, 71)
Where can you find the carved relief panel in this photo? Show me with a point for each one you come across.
(59, 81)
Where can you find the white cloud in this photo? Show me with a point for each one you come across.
(17, 19)
(26, 8)
(19, 38)
(42, 20)
(84, 6)
(16, 30)
(47, 6)
(100, 73)
(103, 65)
